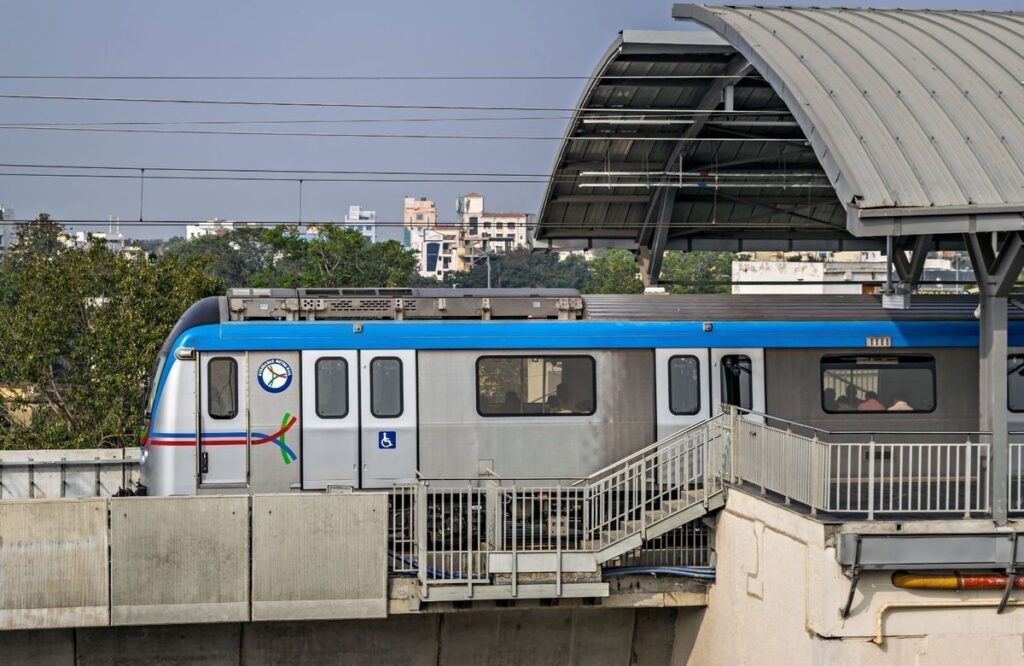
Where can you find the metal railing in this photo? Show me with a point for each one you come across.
(866, 478)
(446, 530)
(88, 473)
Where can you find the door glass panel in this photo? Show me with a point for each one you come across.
(737, 382)
(684, 385)
(222, 401)
(332, 388)
(386, 387)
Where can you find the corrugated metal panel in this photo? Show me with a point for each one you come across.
(795, 307)
(179, 559)
(319, 556)
(903, 108)
(53, 563)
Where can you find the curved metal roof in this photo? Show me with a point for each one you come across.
(796, 129)
(905, 109)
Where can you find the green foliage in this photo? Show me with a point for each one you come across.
(614, 272)
(524, 269)
(697, 267)
(82, 336)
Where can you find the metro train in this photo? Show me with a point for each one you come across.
(279, 390)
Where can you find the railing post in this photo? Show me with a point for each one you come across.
(967, 478)
(469, 544)
(420, 514)
(558, 542)
(815, 473)
(871, 478)
(515, 538)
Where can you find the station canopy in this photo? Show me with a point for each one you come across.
(795, 128)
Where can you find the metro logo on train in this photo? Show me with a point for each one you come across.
(274, 375)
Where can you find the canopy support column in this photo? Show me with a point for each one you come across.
(996, 269)
(650, 260)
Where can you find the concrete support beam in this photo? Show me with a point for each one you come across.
(651, 258)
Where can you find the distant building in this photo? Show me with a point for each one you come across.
(489, 232)
(841, 273)
(6, 230)
(214, 227)
(418, 214)
(363, 221)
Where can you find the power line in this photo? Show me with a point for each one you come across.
(295, 122)
(127, 176)
(735, 226)
(256, 170)
(379, 135)
(358, 105)
(491, 77)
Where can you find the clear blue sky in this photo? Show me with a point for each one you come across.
(326, 38)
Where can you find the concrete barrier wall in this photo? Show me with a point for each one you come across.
(779, 590)
(22, 476)
(538, 637)
(53, 563)
(319, 556)
(179, 559)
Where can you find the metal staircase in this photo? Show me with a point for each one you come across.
(503, 538)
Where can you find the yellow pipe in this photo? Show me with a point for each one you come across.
(925, 581)
(968, 603)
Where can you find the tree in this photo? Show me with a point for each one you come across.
(81, 338)
(697, 267)
(525, 269)
(614, 272)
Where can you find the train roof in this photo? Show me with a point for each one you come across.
(569, 304)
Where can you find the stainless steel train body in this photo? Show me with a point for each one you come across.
(303, 390)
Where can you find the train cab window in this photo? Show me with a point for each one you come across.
(1015, 382)
(386, 387)
(684, 385)
(738, 381)
(332, 388)
(535, 386)
(222, 388)
(890, 383)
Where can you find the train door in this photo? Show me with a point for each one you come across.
(330, 419)
(274, 438)
(737, 378)
(221, 420)
(387, 408)
(682, 383)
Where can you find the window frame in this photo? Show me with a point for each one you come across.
(931, 365)
(316, 387)
(593, 384)
(700, 387)
(401, 387)
(722, 383)
(1011, 355)
(209, 392)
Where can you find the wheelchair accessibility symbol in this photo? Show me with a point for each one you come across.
(387, 439)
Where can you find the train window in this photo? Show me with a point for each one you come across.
(1015, 382)
(684, 385)
(222, 387)
(737, 381)
(332, 388)
(903, 383)
(386, 387)
(535, 386)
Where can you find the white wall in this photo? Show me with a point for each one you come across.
(778, 593)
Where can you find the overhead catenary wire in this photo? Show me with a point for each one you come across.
(366, 105)
(379, 135)
(414, 77)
